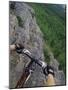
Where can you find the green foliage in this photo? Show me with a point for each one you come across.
(47, 56)
(51, 20)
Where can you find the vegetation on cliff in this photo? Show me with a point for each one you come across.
(51, 20)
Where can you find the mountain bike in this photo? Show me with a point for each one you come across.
(47, 70)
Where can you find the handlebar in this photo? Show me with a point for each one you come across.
(21, 50)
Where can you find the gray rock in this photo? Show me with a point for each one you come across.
(55, 64)
(59, 75)
(60, 79)
(12, 26)
(29, 35)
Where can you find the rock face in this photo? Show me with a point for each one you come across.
(24, 29)
(59, 74)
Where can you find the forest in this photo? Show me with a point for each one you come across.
(51, 19)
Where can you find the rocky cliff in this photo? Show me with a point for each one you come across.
(24, 29)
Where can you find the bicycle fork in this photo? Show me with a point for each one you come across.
(25, 76)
